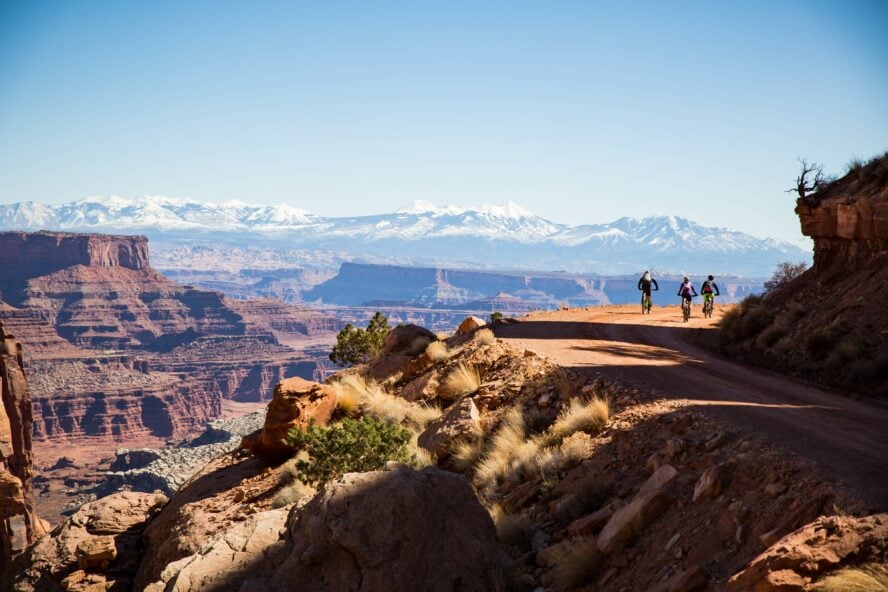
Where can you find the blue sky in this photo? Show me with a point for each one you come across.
(580, 111)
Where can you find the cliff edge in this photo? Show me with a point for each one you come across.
(19, 526)
(828, 324)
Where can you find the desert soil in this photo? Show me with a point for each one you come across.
(847, 438)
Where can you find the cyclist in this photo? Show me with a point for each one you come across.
(687, 290)
(644, 284)
(710, 290)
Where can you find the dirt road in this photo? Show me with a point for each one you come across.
(848, 438)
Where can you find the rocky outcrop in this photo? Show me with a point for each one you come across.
(45, 252)
(19, 525)
(827, 324)
(296, 402)
(97, 548)
(401, 345)
(461, 422)
(800, 560)
(390, 530)
(232, 561)
(848, 219)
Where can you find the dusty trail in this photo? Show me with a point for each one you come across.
(848, 438)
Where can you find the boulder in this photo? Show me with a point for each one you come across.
(96, 551)
(246, 550)
(470, 324)
(422, 388)
(461, 421)
(708, 486)
(813, 551)
(645, 507)
(591, 524)
(400, 346)
(658, 479)
(296, 402)
(390, 530)
(98, 543)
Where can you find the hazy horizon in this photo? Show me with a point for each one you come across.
(579, 112)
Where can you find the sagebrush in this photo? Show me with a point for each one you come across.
(353, 445)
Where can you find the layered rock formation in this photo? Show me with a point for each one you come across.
(173, 361)
(19, 525)
(848, 219)
(828, 324)
(100, 291)
(41, 253)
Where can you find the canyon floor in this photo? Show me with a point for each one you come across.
(844, 436)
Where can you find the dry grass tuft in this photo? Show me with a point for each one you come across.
(580, 416)
(421, 414)
(871, 577)
(497, 459)
(575, 563)
(465, 454)
(485, 337)
(437, 351)
(512, 529)
(290, 489)
(348, 395)
(373, 400)
(576, 447)
(462, 380)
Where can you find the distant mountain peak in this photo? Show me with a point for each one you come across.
(485, 234)
(509, 210)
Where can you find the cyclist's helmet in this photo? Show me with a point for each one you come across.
(686, 279)
(711, 278)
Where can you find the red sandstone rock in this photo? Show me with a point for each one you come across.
(470, 324)
(19, 525)
(296, 402)
(813, 551)
(343, 538)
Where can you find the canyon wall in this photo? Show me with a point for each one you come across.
(45, 252)
(390, 285)
(849, 221)
(828, 324)
(119, 351)
(19, 525)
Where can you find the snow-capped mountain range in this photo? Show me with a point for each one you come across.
(489, 235)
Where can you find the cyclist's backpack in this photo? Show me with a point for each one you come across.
(707, 287)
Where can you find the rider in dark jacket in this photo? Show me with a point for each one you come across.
(644, 284)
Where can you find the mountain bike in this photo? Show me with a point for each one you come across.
(685, 308)
(708, 304)
(645, 303)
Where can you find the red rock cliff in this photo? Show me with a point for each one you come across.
(49, 251)
(19, 525)
(850, 219)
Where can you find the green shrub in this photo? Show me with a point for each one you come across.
(358, 346)
(496, 316)
(351, 446)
